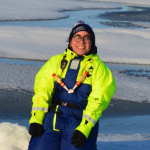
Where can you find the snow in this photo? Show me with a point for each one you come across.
(16, 137)
(39, 10)
(123, 45)
(40, 43)
(137, 2)
(13, 137)
(131, 88)
(118, 137)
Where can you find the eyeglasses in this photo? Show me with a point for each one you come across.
(86, 38)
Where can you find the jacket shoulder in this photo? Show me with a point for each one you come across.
(96, 60)
(56, 57)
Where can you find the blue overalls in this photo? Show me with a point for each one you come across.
(59, 127)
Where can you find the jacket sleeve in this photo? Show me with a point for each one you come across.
(43, 88)
(103, 88)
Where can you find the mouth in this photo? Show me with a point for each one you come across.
(81, 47)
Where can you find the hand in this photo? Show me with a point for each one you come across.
(78, 139)
(35, 129)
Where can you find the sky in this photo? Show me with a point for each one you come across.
(37, 43)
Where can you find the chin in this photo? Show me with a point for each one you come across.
(80, 54)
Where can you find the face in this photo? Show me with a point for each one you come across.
(80, 43)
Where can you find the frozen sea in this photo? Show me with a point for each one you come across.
(25, 43)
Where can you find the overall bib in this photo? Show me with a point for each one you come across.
(59, 127)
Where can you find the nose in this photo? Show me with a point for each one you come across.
(82, 40)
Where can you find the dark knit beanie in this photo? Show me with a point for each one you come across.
(82, 26)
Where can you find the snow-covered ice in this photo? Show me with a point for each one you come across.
(115, 45)
(122, 45)
(13, 137)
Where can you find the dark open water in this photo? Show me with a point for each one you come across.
(124, 16)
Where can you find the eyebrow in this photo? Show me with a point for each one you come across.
(83, 36)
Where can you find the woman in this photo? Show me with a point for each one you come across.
(71, 92)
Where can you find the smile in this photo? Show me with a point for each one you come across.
(81, 47)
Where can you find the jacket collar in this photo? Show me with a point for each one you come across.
(72, 55)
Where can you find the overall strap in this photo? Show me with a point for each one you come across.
(72, 72)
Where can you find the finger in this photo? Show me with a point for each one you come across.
(73, 142)
(80, 144)
(77, 140)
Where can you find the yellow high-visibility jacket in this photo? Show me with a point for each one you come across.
(100, 79)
